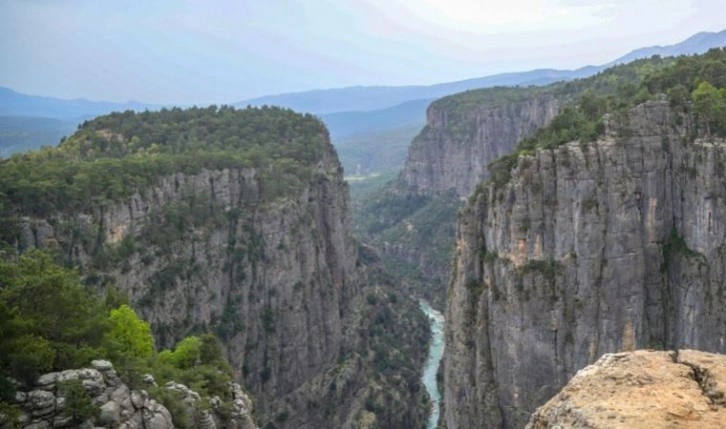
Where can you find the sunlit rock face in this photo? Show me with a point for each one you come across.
(459, 141)
(641, 389)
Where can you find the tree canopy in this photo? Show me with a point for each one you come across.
(113, 156)
(50, 322)
(694, 85)
(128, 337)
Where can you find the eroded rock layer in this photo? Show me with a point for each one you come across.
(49, 404)
(460, 139)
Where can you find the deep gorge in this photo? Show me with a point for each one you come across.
(550, 225)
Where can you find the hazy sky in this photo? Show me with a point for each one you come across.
(199, 51)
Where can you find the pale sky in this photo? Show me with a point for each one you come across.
(222, 51)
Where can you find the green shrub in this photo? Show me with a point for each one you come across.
(78, 403)
(173, 401)
(9, 416)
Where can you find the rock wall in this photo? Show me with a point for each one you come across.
(682, 389)
(47, 406)
(274, 278)
(457, 144)
(588, 249)
(279, 280)
(464, 133)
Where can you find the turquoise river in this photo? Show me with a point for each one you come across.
(436, 352)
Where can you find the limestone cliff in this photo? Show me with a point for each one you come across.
(412, 221)
(263, 258)
(461, 138)
(464, 133)
(683, 389)
(587, 249)
(256, 269)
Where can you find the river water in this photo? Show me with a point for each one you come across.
(436, 352)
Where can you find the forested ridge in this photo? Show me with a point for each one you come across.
(113, 156)
(54, 315)
(694, 85)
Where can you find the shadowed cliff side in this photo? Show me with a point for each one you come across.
(412, 219)
(236, 222)
(576, 248)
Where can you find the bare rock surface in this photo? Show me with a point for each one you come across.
(641, 389)
(587, 249)
(453, 150)
(121, 407)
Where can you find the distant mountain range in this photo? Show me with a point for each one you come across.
(343, 124)
(359, 118)
(366, 98)
(21, 133)
(16, 104)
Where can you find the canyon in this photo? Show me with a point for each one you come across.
(306, 315)
(555, 227)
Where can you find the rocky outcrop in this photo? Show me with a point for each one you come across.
(683, 389)
(460, 139)
(48, 405)
(588, 249)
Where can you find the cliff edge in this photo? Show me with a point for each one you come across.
(683, 389)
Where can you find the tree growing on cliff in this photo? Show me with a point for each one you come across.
(709, 104)
(128, 341)
(48, 321)
(128, 336)
(185, 354)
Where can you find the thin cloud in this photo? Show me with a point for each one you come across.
(223, 50)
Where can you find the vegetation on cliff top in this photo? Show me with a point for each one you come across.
(694, 85)
(113, 156)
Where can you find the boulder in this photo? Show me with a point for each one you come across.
(40, 403)
(110, 414)
(102, 365)
(139, 398)
(652, 389)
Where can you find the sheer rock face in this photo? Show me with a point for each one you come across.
(273, 277)
(453, 152)
(641, 389)
(119, 407)
(588, 249)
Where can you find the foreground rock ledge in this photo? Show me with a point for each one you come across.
(642, 389)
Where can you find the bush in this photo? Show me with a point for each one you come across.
(29, 356)
(78, 403)
(9, 416)
(173, 401)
